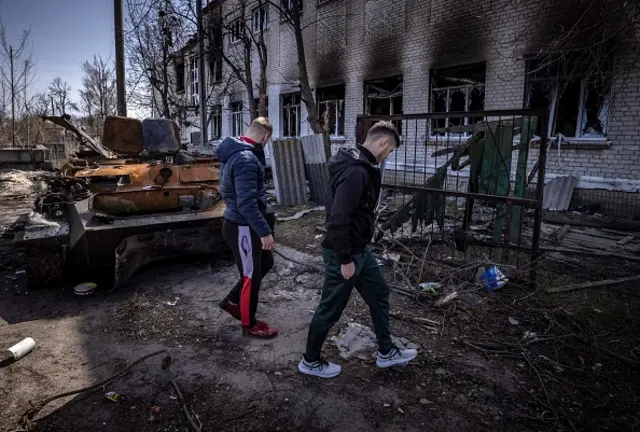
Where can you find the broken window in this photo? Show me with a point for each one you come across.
(215, 125)
(291, 115)
(194, 81)
(237, 123)
(260, 18)
(384, 97)
(577, 107)
(331, 109)
(179, 66)
(457, 89)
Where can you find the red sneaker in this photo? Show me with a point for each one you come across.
(230, 308)
(260, 330)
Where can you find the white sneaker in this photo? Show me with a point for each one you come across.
(397, 356)
(319, 368)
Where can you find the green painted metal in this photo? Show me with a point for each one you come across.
(529, 126)
(496, 171)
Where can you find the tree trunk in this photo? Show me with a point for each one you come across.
(305, 87)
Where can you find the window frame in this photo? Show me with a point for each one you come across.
(340, 107)
(215, 123)
(237, 118)
(286, 111)
(236, 33)
(367, 100)
(265, 8)
(194, 81)
(553, 110)
(468, 89)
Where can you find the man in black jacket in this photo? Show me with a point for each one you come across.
(354, 188)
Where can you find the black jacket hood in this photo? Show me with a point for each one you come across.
(348, 157)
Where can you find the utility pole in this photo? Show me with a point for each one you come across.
(13, 99)
(201, 78)
(26, 110)
(120, 84)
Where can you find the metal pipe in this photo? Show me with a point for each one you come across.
(201, 77)
(119, 41)
(493, 198)
(537, 224)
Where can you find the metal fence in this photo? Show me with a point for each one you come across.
(467, 185)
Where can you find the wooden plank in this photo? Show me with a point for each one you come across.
(615, 224)
(626, 240)
(590, 252)
(596, 284)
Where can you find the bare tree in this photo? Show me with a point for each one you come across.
(155, 33)
(245, 35)
(60, 91)
(41, 104)
(98, 97)
(16, 75)
(291, 11)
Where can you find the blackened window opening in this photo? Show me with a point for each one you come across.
(331, 109)
(577, 106)
(384, 97)
(291, 115)
(457, 89)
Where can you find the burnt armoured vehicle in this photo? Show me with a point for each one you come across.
(147, 201)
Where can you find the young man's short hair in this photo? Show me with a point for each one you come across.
(383, 129)
(262, 124)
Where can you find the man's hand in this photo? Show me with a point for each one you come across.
(268, 242)
(348, 270)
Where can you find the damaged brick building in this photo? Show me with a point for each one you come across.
(419, 56)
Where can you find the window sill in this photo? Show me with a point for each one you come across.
(337, 139)
(573, 143)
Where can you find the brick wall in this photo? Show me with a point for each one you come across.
(350, 41)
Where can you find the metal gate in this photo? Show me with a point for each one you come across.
(467, 184)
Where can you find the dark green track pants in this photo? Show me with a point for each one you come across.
(369, 282)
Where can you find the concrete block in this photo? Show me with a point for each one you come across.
(123, 135)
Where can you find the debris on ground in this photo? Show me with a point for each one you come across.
(299, 214)
(17, 351)
(359, 341)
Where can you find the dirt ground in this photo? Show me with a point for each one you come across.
(512, 360)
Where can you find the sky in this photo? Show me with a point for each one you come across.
(64, 34)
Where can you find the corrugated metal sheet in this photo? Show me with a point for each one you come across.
(287, 163)
(315, 162)
(558, 193)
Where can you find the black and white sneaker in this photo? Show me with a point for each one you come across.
(397, 356)
(320, 368)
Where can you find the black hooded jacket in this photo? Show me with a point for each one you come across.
(354, 187)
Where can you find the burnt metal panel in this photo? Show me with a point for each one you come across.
(123, 135)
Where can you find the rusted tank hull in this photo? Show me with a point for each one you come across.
(96, 246)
